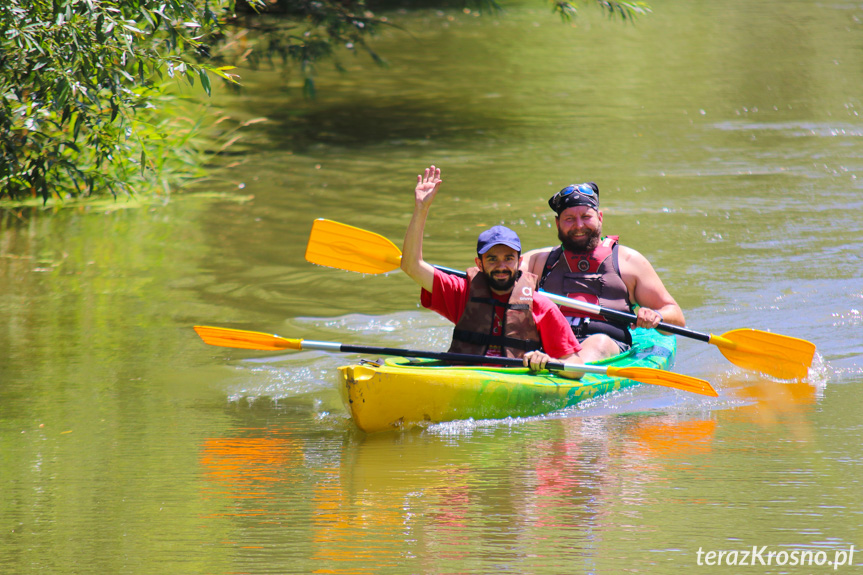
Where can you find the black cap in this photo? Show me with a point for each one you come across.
(575, 195)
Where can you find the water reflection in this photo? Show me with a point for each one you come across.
(780, 407)
(668, 436)
(247, 467)
(467, 503)
(476, 497)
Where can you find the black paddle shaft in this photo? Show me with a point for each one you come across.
(619, 317)
(446, 356)
(630, 318)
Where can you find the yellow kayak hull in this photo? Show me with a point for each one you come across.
(399, 393)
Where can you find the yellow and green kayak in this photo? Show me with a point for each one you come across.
(397, 393)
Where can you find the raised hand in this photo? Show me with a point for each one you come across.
(427, 185)
(412, 251)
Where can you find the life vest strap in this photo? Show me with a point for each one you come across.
(485, 339)
(497, 303)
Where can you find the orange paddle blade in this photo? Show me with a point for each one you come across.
(348, 248)
(777, 355)
(665, 378)
(238, 338)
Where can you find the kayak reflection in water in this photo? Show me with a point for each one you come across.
(597, 270)
(496, 310)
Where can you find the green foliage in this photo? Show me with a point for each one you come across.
(85, 85)
(82, 92)
(298, 33)
(626, 10)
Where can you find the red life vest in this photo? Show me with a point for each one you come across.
(593, 277)
(518, 334)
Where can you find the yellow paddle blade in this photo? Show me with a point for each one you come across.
(666, 378)
(771, 353)
(348, 248)
(226, 337)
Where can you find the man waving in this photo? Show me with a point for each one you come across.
(495, 309)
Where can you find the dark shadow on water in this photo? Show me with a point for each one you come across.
(371, 123)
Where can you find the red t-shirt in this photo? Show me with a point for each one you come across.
(450, 294)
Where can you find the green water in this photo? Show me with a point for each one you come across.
(726, 142)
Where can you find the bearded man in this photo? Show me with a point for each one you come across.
(598, 270)
(496, 310)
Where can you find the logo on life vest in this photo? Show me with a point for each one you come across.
(583, 265)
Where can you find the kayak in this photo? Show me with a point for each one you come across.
(397, 393)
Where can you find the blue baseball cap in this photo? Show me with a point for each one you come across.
(497, 235)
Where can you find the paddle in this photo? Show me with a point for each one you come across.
(345, 247)
(777, 355)
(352, 249)
(226, 337)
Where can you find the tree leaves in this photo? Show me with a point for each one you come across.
(90, 72)
(205, 80)
(627, 10)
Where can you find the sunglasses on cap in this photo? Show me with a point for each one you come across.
(573, 195)
(583, 189)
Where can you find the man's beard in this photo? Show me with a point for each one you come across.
(582, 244)
(503, 285)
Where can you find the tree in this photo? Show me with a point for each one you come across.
(84, 102)
(81, 82)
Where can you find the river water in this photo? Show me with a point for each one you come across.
(726, 142)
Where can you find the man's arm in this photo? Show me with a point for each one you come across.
(557, 339)
(413, 263)
(534, 260)
(648, 291)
